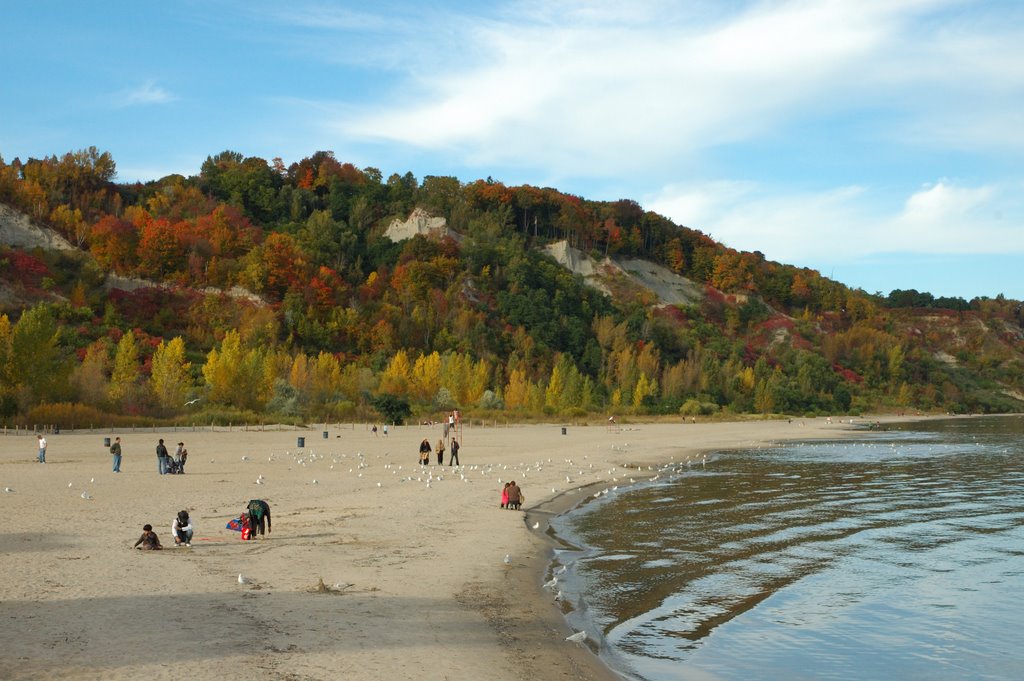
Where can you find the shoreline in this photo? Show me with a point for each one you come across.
(416, 583)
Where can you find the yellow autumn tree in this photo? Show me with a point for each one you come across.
(126, 377)
(170, 381)
(237, 376)
(396, 378)
(426, 376)
(517, 390)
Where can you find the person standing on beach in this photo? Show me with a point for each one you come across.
(161, 457)
(454, 461)
(180, 456)
(115, 452)
(440, 452)
(504, 495)
(42, 448)
(425, 452)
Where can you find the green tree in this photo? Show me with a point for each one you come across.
(38, 367)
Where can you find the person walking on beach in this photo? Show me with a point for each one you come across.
(115, 452)
(454, 461)
(504, 495)
(515, 496)
(149, 540)
(161, 457)
(384, 428)
(181, 529)
(440, 452)
(425, 452)
(42, 448)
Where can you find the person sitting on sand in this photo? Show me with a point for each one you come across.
(425, 452)
(181, 529)
(149, 540)
(515, 496)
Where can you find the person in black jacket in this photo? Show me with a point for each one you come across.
(161, 457)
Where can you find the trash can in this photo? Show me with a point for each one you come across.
(106, 442)
(302, 442)
(325, 434)
(563, 430)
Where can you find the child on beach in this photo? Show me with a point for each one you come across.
(504, 495)
(149, 540)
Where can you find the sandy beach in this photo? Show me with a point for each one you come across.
(416, 582)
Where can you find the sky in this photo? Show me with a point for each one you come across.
(880, 142)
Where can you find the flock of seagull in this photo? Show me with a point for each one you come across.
(577, 474)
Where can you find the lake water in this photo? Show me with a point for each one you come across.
(895, 556)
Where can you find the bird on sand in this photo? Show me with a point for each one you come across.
(242, 579)
(578, 637)
(508, 558)
(536, 525)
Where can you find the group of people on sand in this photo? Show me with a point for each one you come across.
(165, 463)
(254, 520)
(512, 496)
(425, 451)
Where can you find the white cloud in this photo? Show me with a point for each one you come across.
(584, 88)
(849, 223)
(147, 93)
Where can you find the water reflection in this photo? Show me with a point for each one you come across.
(896, 557)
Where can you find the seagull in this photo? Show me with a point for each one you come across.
(508, 558)
(578, 637)
(69, 484)
(242, 580)
(314, 481)
(8, 490)
(191, 402)
(536, 525)
(92, 479)
(551, 584)
(85, 495)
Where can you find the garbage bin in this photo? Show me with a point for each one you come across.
(302, 442)
(563, 431)
(325, 434)
(106, 442)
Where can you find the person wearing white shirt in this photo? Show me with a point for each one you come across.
(181, 529)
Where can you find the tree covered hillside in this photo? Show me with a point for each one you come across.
(274, 291)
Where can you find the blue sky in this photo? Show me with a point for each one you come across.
(877, 141)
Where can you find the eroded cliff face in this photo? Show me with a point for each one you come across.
(19, 231)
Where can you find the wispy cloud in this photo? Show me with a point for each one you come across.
(146, 93)
(846, 223)
(581, 86)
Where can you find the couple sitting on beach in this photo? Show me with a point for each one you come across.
(512, 496)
